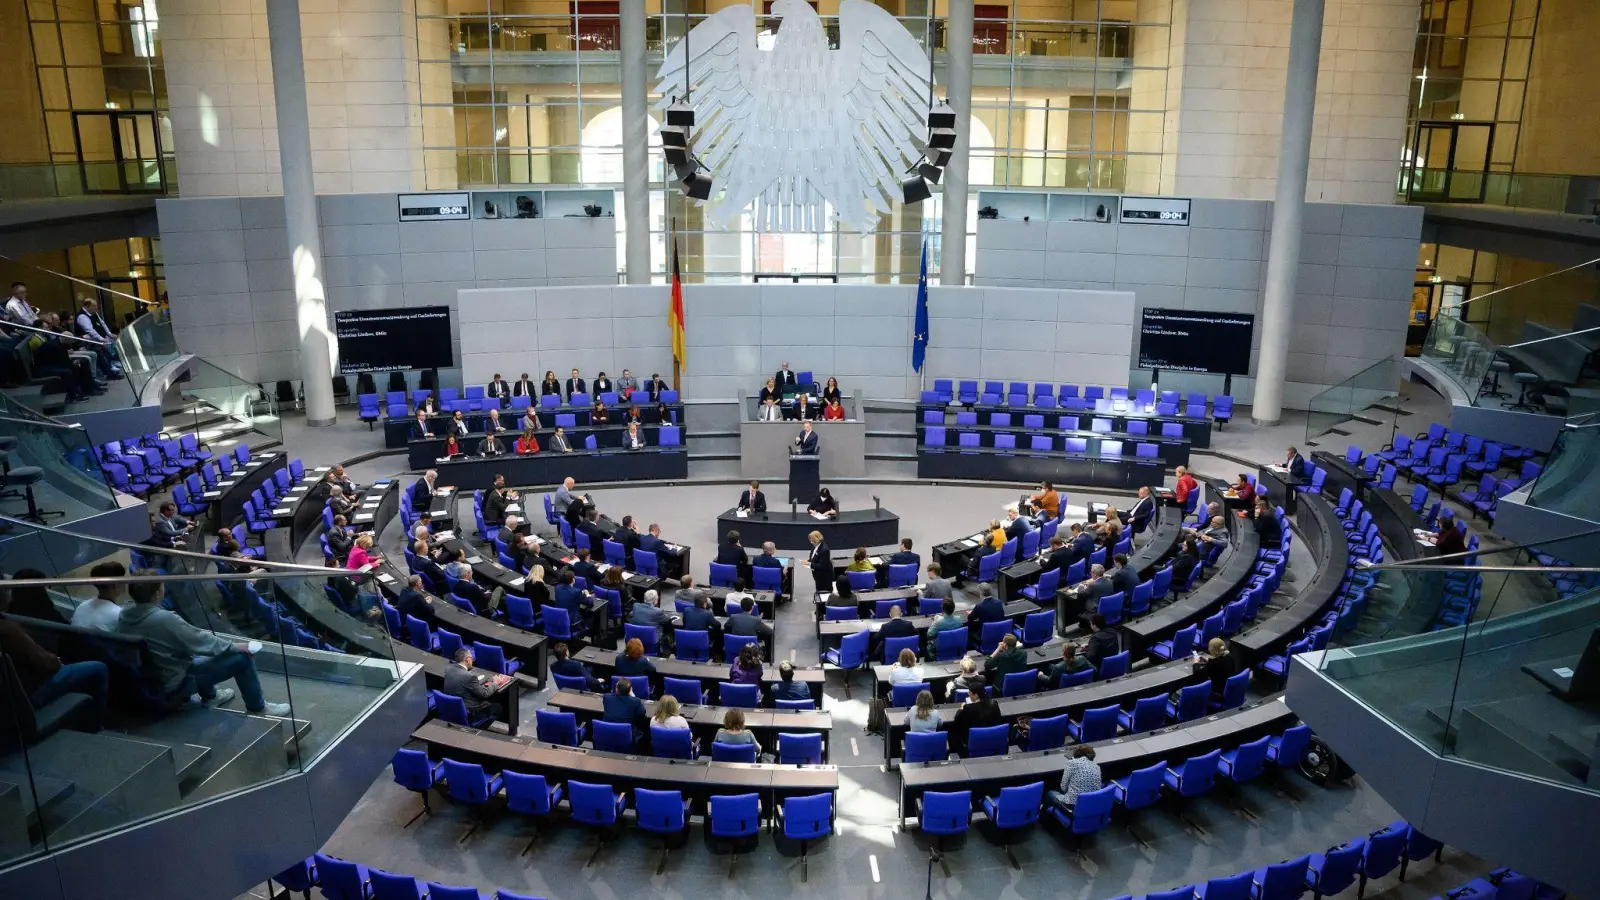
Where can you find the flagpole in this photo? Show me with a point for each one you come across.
(675, 274)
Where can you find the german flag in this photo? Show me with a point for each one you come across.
(675, 315)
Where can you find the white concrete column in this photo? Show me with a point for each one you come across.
(958, 90)
(635, 145)
(318, 347)
(1288, 210)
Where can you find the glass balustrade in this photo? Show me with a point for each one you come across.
(144, 346)
(1531, 191)
(215, 399)
(1570, 482)
(1462, 352)
(1341, 402)
(1473, 662)
(57, 180)
(71, 485)
(315, 659)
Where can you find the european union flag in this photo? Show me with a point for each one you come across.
(919, 339)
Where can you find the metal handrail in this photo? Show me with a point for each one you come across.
(1432, 562)
(146, 549)
(1582, 265)
(55, 334)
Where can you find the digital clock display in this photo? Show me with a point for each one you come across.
(1155, 210)
(433, 207)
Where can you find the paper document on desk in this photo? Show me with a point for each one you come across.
(386, 578)
(446, 535)
(817, 515)
(518, 581)
(474, 560)
(742, 513)
(875, 560)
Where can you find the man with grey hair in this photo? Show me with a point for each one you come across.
(1216, 532)
(1090, 590)
(422, 491)
(647, 611)
(508, 532)
(768, 558)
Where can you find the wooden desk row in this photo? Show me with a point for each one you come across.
(705, 720)
(602, 664)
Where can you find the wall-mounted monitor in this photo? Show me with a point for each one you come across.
(382, 340)
(1191, 340)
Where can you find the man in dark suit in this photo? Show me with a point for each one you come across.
(569, 597)
(806, 441)
(586, 569)
(896, 627)
(576, 385)
(1296, 464)
(508, 531)
(731, 553)
(655, 386)
(1102, 641)
(473, 689)
(1123, 578)
(650, 541)
(564, 664)
(746, 622)
(422, 491)
(1082, 543)
(1095, 587)
(559, 442)
(499, 389)
(524, 387)
(429, 406)
(988, 609)
(1143, 509)
(904, 556)
(421, 429)
(700, 618)
(413, 602)
(786, 380)
(622, 706)
(1060, 556)
(753, 500)
(628, 536)
(768, 557)
(496, 501)
(1017, 526)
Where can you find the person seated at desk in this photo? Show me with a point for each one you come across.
(1057, 556)
(507, 533)
(831, 392)
(988, 609)
(860, 563)
(340, 540)
(1091, 589)
(585, 569)
(622, 706)
(420, 429)
(558, 441)
(1102, 641)
(429, 406)
(1017, 525)
(1216, 664)
(338, 502)
(1047, 501)
(1449, 539)
(496, 501)
(524, 387)
(770, 408)
(598, 415)
(786, 688)
(45, 678)
(667, 715)
(1143, 510)
(539, 593)
(628, 536)
(980, 711)
(1188, 557)
(924, 716)
(499, 389)
(1081, 542)
(802, 410)
(904, 556)
(452, 447)
(1081, 776)
(576, 385)
(589, 524)
(633, 439)
(824, 504)
(1110, 528)
(651, 542)
(1244, 491)
(842, 594)
(1294, 464)
(654, 388)
(414, 601)
(422, 490)
(1123, 578)
(699, 617)
(906, 670)
(833, 411)
(567, 667)
(937, 586)
(626, 385)
(1008, 657)
(896, 627)
(946, 621)
(746, 622)
(1267, 526)
(734, 732)
(632, 661)
(529, 422)
(491, 445)
(975, 563)
(459, 425)
(648, 612)
(337, 476)
(752, 500)
(457, 566)
(570, 597)
(1184, 486)
(1216, 532)
(602, 384)
(187, 660)
(362, 555)
(746, 667)
(492, 424)
(550, 386)
(1070, 664)
(731, 553)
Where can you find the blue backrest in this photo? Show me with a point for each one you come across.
(926, 746)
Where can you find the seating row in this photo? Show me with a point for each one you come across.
(148, 463)
(340, 879)
(1066, 396)
(396, 404)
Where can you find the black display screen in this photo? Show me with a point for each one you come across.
(381, 340)
(1188, 340)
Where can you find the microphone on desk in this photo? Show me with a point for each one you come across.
(877, 505)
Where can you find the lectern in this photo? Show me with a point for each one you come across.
(804, 477)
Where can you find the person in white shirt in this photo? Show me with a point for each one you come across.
(18, 309)
(103, 611)
(89, 322)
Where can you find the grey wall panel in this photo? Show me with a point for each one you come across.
(1242, 215)
(1014, 236)
(199, 281)
(1221, 299)
(1139, 269)
(1373, 220)
(358, 240)
(1152, 240)
(1318, 250)
(642, 302)
(790, 329)
(595, 263)
(345, 271)
(358, 209)
(261, 212)
(871, 331)
(1241, 274)
(1081, 268)
(274, 337)
(1312, 309)
(874, 300)
(1008, 335)
(638, 332)
(424, 293)
(785, 298)
(199, 215)
(454, 265)
(959, 362)
(1320, 218)
(266, 243)
(573, 303)
(1080, 237)
(566, 234)
(503, 234)
(1224, 243)
(229, 309)
(570, 334)
(204, 246)
(500, 264)
(269, 275)
(435, 237)
(818, 358)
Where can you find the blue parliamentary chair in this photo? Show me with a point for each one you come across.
(1012, 811)
(805, 819)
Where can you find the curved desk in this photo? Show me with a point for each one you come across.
(397, 429)
(790, 531)
(1163, 529)
(477, 473)
(698, 779)
(1116, 757)
(1032, 466)
(1324, 536)
(1196, 429)
(1174, 451)
(830, 634)
(1232, 571)
(705, 720)
(602, 663)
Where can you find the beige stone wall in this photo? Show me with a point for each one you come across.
(361, 85)
(1560, 116)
